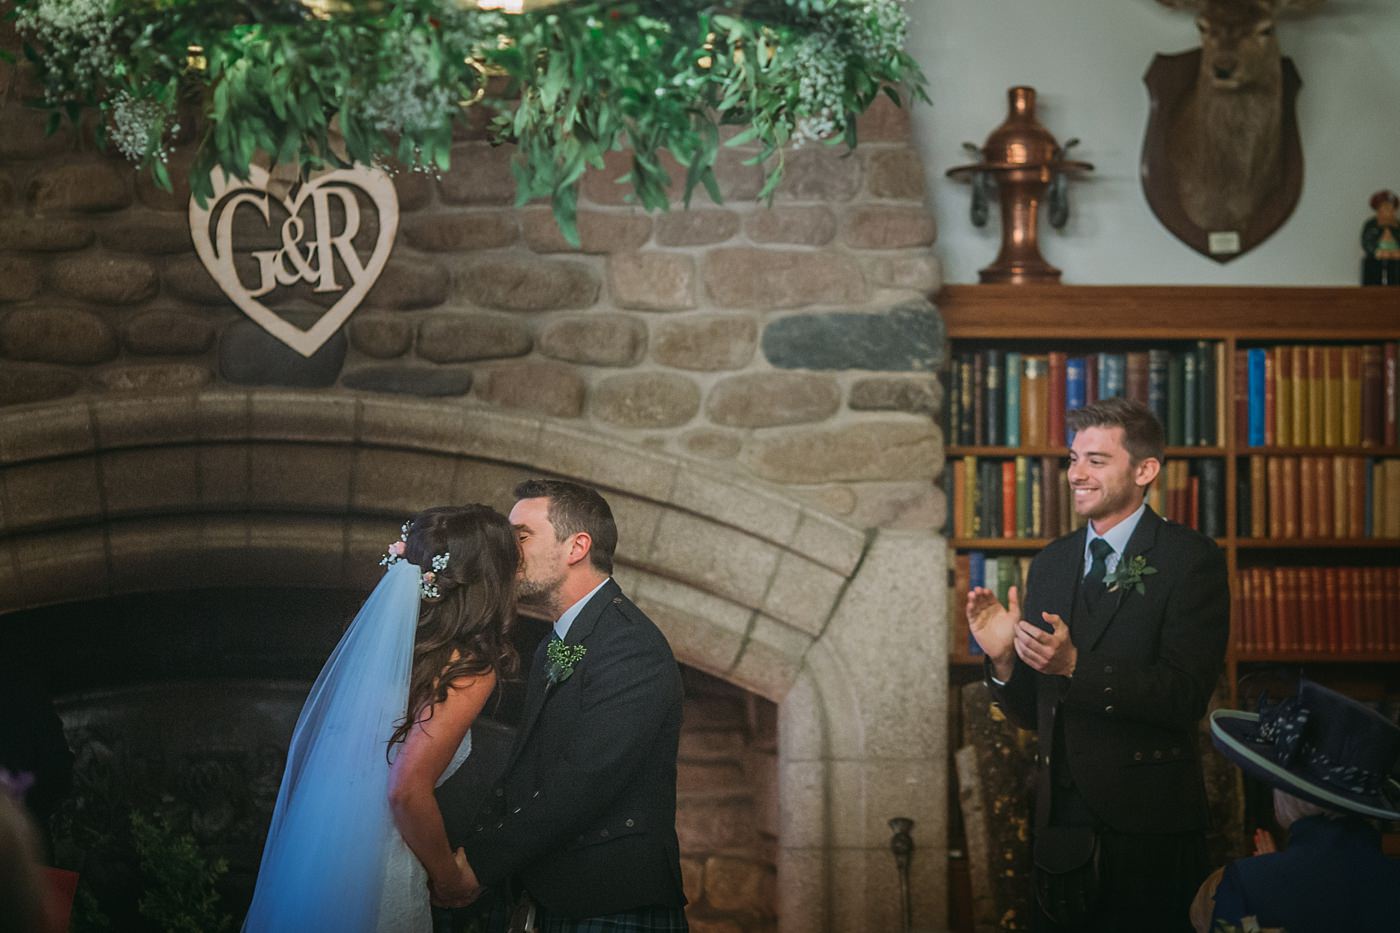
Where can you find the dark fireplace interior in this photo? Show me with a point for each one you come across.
(178, 706)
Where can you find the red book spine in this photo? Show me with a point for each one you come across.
(1317, 619)
(1193, 507)
(1367, 606)
(1372, 395)
(1330, 638)
(1008, 498)
(1091, 377)
(1383, 634)
(1267, 601)
(1389, 596)
(1270, 396)
(1241, 631)
(1248, 638)
(1353, 605)
(1055, 396)
(1392, 351)
(1135, 375)
(1298, 604)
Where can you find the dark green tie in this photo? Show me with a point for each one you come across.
(1099, 549)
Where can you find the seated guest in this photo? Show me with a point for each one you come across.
(1330, 761)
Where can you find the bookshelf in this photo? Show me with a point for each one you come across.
(1343, 545)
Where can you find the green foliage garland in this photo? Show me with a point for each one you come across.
(321, 83)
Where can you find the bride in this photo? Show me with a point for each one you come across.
(357, 840)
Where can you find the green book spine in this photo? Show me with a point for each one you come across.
(1191, 391)
(1176, 401)
(1012, 378)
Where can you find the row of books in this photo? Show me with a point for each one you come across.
(1028, 497)
(1316, 395)
(1319, 496)
(1008, 398)
(1336, 610)
(997, 572)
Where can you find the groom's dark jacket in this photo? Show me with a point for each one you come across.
(584, 816)
(1148, 664)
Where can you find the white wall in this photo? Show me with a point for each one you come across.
(1086, 59)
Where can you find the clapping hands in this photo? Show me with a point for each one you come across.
(1004, 635)
(994, 626)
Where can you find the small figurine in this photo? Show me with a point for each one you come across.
(1380, 238)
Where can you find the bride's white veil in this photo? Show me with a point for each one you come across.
(323, 864)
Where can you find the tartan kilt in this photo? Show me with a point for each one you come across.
(641, 920)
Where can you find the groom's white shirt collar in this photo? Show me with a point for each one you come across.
(561, 627)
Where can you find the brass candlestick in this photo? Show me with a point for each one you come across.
(1022, 160)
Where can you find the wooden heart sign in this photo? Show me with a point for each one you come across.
(311, 251)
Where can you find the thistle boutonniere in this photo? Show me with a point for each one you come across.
(562, 659)
(1128, 575)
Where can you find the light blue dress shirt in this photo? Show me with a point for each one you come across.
(1118, 537)
(561, 627)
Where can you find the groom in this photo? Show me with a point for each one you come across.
(583, 820)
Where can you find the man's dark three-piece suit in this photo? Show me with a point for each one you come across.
(1118, 740)
(583, 818)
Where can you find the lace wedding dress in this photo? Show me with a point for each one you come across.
(403, 904)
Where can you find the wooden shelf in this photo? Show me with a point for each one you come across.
(1299, 544)
(1315, 657)
(1048, 313)
(1050, 451)
(999, 544)
(1314, 451)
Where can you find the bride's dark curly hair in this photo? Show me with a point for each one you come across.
(475, 609)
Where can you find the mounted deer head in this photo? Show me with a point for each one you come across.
(1239, 47)
(1221, 136)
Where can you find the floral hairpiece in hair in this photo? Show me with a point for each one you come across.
(429, 584)
(394, 553)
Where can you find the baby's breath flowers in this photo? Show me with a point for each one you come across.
(141, 128)
(77, 38)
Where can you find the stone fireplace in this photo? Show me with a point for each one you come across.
(753, 389)
(271, 489)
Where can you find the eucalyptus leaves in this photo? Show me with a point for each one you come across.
(324, 83)
(1128, 575)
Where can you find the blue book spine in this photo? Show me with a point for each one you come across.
(1158, 369)
(1256, 396)
(1013, 398)
(1074, 389)
(976, 569)
(1113, 370)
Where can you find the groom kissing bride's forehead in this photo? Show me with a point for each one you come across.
(579, 830)
(581, 826)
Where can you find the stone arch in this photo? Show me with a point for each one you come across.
(842, 628)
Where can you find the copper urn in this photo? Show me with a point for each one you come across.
(1023, 159)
